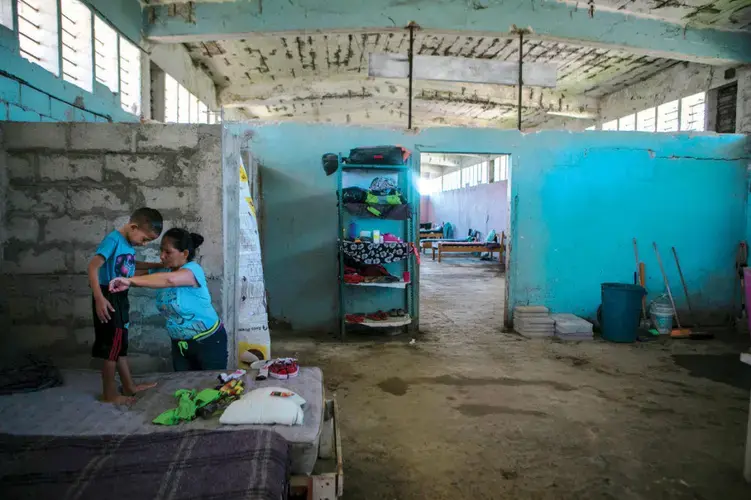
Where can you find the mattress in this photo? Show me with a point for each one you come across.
(73, 410)
(176, 465)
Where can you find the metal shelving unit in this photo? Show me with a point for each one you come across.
(369, 298)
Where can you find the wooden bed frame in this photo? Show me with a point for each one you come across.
(327, 480)
(468, 247)
(431, 235)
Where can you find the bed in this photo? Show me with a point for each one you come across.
(72, 410)
(465, 247)
(428, 242)
(248, 464)
(430, 234)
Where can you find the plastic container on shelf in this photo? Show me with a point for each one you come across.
(376, 236)
(352, 231)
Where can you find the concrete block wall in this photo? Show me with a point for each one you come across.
(68, 185)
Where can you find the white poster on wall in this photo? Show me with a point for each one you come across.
(253, 341)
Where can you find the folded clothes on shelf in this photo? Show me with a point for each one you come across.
(376, 253)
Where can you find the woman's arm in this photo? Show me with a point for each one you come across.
(183, 277)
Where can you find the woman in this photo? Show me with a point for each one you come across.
(199, 340)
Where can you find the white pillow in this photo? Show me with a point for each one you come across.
(259, 407)
(263, 392)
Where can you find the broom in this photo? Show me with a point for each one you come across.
(696, 334)
(679, 332)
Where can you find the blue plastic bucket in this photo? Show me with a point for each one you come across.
(621, 308)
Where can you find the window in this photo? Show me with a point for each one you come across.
(688, 113)
(627, 123)
(171, 108)
(130, 77)
(37, 33)
(66, 44)
(610, 125)
(451, 181)
(645, 120)
(429, 186)
(667, 117)
(6, 13)
(105, 55)
(692, 112)
(180, 106)
(194, 116)
(215, 117)
(75, 27)
(471, 175)
(203, 113)
(183, 105)
(500, 168)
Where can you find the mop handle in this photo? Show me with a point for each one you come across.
(667, 285)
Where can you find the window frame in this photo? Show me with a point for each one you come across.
(75, 54)
(48, 55)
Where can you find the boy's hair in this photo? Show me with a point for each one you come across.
(148, 218)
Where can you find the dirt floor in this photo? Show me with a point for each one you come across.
(471, 412)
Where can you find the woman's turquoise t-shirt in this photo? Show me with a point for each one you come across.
(188, 310)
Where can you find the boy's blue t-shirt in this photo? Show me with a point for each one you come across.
(119, 258)
(188, 310)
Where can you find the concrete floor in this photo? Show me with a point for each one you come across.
(471, 412)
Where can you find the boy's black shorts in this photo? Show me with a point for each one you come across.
(111, 338)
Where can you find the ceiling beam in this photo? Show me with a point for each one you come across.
(301, 90)
(195, 21)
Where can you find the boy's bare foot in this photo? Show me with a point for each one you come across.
(118, 400)
(132, 391)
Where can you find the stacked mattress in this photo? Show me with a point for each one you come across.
(73, 410)
(572, 327)
(533, 322)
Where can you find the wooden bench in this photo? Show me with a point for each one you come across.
(466, 247)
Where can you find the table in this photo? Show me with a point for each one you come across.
(746, 358)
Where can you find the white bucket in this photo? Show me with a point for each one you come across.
(662, 317)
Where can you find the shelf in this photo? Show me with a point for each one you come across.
(351, 166)
(387, 323)
(389, 212)
(393, 284)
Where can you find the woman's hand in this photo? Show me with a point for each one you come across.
(119, 285)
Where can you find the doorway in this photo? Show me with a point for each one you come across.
(464, 236)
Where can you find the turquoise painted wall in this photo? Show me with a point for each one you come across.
(581, 198)
(28, 92)
(578, 199)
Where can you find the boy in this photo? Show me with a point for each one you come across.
(114, 258)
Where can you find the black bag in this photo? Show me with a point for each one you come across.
(354, 195)
(330, 163)
(379, 155)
